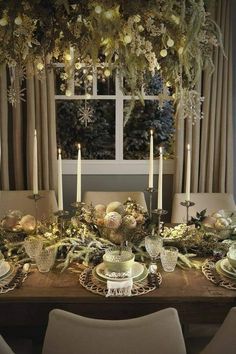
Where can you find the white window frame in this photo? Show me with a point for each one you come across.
(118, 166)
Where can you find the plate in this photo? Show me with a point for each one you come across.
(4, 269)
(222, 272)
(226, 267)
(139, 278)
(136, 270)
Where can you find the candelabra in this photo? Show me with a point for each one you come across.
(187, 204)
(159, 213)
(61, 217)
(150, 190)
(36, 198)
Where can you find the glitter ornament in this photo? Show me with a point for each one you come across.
(112, 220)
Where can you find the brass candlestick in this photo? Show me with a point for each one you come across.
(188, 204)
(159, 213)
(150, 190)
(61, 217)
(36, 198)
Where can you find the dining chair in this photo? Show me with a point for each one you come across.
(19, 200)
(100, 197)
(224, 341)
(210, 201)
(159, 332)
(4, 347)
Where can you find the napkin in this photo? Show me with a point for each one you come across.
(119, 288)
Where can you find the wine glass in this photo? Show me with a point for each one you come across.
(153, 245)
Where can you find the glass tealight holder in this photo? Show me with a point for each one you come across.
(169, 257)
(33, 246)
(45, 259)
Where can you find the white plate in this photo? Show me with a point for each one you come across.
(226, 267)
(4, 269)
(138, 279)
(137, 269)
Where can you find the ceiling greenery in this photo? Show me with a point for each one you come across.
(134, 38)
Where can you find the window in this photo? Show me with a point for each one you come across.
(93, 113)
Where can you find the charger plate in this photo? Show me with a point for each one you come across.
(227, 268)
(4, 269)
(98, 285)
(136, 270)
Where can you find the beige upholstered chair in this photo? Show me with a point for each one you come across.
(224, 340)
(159, 332)
(18, 200)
(105, 198)
(210, 201)
(4, 347)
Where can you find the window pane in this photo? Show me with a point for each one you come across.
(137, 129)
(105, 85)
(91, 123)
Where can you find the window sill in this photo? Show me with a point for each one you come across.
(112, 167)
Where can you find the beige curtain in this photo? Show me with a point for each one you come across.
(212, 137)
(17, 125)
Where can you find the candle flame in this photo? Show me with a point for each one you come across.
(79, 146)
(188, 147)
(161, 150)
(35, 132)
(151, 131)
(59, 151)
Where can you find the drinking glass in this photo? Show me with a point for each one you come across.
(169, 256)
(45, 259)
(33, 246)
(153, 246)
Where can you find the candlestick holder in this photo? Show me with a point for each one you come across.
(36, 198)
(61, 216)
(150, 190)
(159, 213)
(187, 204)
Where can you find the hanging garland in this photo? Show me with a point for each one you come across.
(173, 38)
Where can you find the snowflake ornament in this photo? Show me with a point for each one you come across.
(85, 115)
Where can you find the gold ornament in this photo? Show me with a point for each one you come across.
(163, 53)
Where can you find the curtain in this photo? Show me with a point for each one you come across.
(18, 122)
(212, 137)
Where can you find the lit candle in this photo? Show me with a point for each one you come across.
(35, 165)
(60, 193)
(150, 180)
(188, 175)
(160, 178)
(78, 195)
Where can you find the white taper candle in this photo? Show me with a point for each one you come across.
(188, 174)
(60, 191)
(35, 165)
(150, 179)
(160, 179)
(78, 195)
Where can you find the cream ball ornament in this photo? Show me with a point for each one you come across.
(18, 20)
(163, 53)
(127, 39)
(28, 223)
(129, 221)
(112, 220)
(115, 206)
(170, 42)
(3, 21)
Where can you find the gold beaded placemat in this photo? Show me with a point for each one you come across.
(91, 283)
(13, 279)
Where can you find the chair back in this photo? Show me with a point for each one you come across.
(224, 340)
(159, 332)
(4, 347)
(99, 197)
(18, 200)
(210, 201)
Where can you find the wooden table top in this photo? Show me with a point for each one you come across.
(196, 298)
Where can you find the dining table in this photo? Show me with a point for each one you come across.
(196, 299)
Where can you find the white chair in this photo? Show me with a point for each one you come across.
(159, 332)
(4, 347)
(224, 340)
(210, 201)
(105, 198)
(18, 200)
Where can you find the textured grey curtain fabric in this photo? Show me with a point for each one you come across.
(17, 130)
(212, 137)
